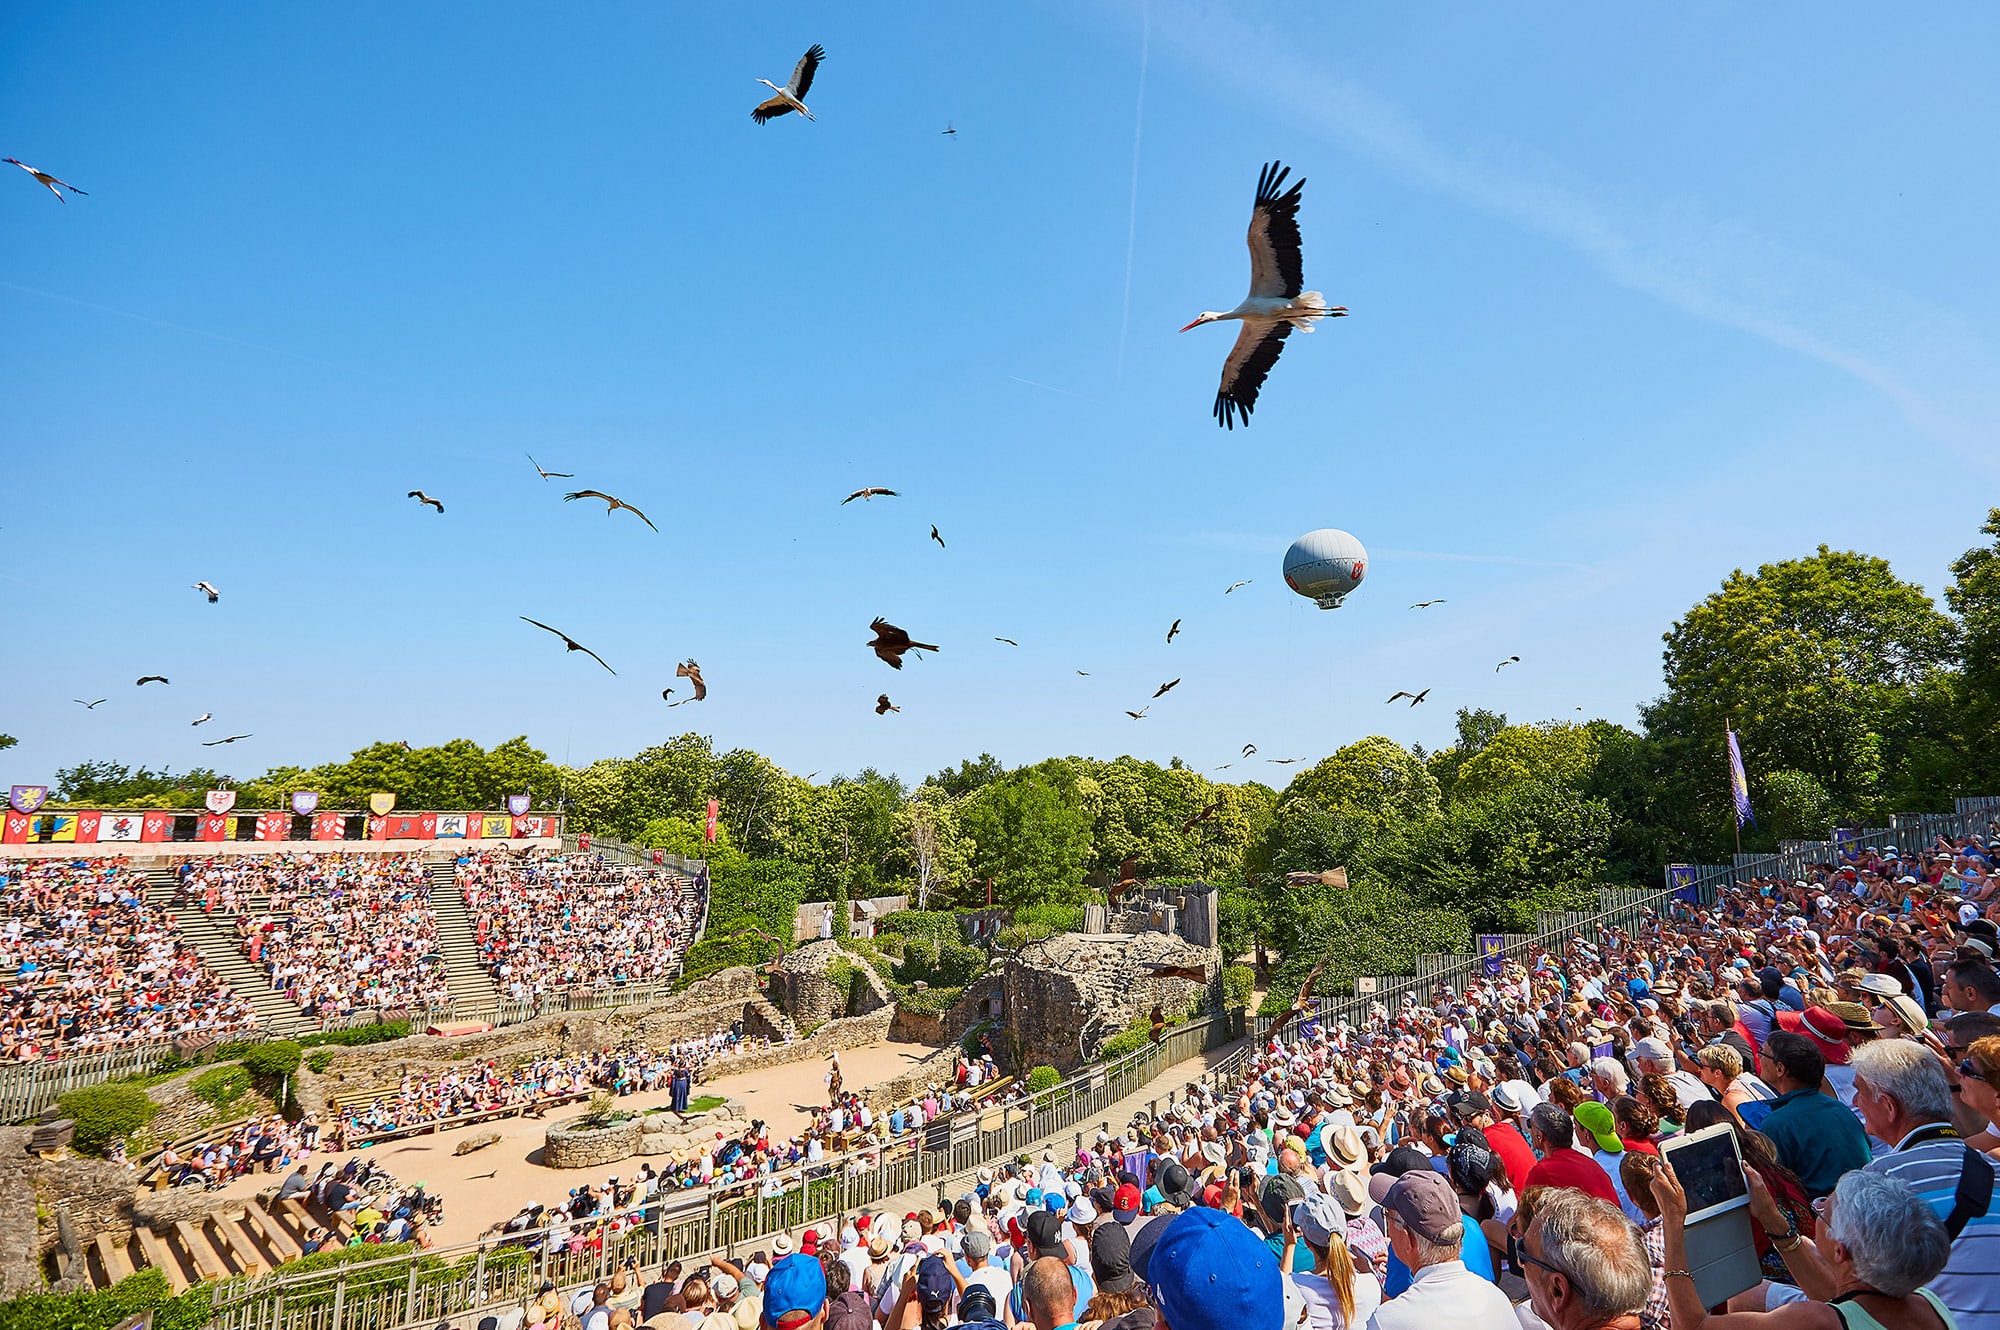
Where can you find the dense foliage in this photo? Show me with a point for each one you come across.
(105, 1113)
(103, 1309)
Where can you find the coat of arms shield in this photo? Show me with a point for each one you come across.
(381, 805)
(221, 801)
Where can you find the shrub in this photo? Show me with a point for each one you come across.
(928, 1001)
(958, 964)
(221, 1087)
(320, 1059)
(279, 1057)
(102, 1309)
(1010, 938)
(1129, 1040)
(940, 926)
(1043, 1077)
(358, 1035)
(230, 1052)
(1238, 982)
(920, 957)
(1051, 918)
(106, 1113)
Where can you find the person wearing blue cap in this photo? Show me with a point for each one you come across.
(1210, 1272)
(795, 1294)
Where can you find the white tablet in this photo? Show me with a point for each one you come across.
(1709, 1165)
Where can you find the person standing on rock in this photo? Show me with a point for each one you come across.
(681, 1083)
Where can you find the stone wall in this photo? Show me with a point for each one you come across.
(575, 1144)
(933, 1070)
(949, 1026)
(97, 1196)
(1075, 985)
(800, 987)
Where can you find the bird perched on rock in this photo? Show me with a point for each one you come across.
(891, 642)
(569, 643)
(883, 705)
(422, 497)
(611, 505)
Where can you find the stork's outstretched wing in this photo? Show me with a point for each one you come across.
(1275, 266)
(1250, 360)
(802, 73)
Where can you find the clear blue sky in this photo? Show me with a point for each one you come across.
(1637, 298)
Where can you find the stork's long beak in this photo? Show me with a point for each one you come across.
(1196, 324)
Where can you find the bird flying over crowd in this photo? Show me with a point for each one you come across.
(891, 642)
(871, 492)
(1174, 631)
(611, 505)
(569, 643)
(56, 186)
(145, 679)
(1414, 697)
(1275, 305)
(212, 743)
(883, 705)
(1300, 1004)
(89, 706)
(1166, 688)
(209, 591)
(791, 97)
(1140, 714)
(422, 497)
(690, 671)
(546, 475)
(1511, 660)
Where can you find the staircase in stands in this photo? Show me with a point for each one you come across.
(472, 987)
(244, 1238)
(218, 944)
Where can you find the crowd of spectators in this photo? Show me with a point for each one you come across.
(549, 923)
(335, 933)
(91, 965)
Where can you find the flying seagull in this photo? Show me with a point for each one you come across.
(1511, 660)
(870, 492)
(883, 705)
(56, 186)
(891, 642)
(1084, 673)
(1012, 643)
(230, 740)
(1426, 604)
(559, 475)
(569, 642)
(89, 706)
(1275, 304)
(1414, 697)
(209, 591)
(690, 671)
(1140, 714)
(1174, 631)
(204, 716)
(1249, 749)
(1281, 761)
(1233, 585)
(422, 497)
(152, 678)
(935, 536)
(1165, 688)
(611, 505)
(792, 96)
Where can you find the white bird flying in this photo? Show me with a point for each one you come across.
(56, 186)
(1233, 585)
(204, 716)
(209, 591)
(1275, 304)
(791, 97)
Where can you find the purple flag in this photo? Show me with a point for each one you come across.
(1739, 784)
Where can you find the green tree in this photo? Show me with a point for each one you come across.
(7, 741)
(1959, 748)
(940, 854)
(1499, 860)
(1558, 751)
(1030, 835)
(1374, 781)
(969, 775)
(115, 785)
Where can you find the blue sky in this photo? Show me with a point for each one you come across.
(1638, 298)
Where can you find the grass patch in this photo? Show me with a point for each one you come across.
(703, 1103)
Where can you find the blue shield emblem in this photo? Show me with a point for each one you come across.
(304, 802)
(517, 804)
(27, 798)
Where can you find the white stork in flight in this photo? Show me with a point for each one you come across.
(791, 97)
(1275, 304)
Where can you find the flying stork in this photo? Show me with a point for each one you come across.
(791, 97)
(1275, 304)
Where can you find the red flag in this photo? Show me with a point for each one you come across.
(713, 809)
(16, 830)
(159, 826)
(86, 828)
(214, 826)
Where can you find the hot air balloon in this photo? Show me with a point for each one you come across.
(1325, 566)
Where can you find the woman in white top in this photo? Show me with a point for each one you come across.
(1336, 1295)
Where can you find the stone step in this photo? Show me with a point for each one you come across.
(471, 987)
(220, 948)
(282, 1246)
(199, 1252)
(112, 1257)
(159, 1256)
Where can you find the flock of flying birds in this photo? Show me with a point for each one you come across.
(1277, 304)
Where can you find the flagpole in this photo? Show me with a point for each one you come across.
(1735, 818)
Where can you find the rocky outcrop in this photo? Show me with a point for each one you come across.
(823, 981)
(1077, 987)
(578, 1143)
(96, 1195)
(972, 1007)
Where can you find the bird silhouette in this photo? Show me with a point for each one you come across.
(1511, 660)
(212, 743)
(1414, 697)
(152, 678)
(89, 706)
(1084, 673)
(1233, 585)
(611, 505)
(891, 642)
(1140, 714)
(1249, 749)
(1281, 761)
(1225, 766)
(1012, 643)
(545, 475)
(56, 186)
(690, 671)
(935, 536)
(569, 642)
(883, 705)
(666, 693)
(1174, 631)
(209, 591)
(1426, 604)
(203, 718)
(1300, 1004)
(948, 129)
(422, 497)
(869, 493)
(1165, 688)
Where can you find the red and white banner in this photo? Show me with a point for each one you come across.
(329, 826)
(119, 826)
(86, 828)
(531, 826)
(274, 826)
(214, 826)
(713, 809)
(157, 827)
(16, 829)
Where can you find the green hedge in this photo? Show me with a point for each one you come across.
(940, 926)
(1054, 918)
(1129, 1040)
(102, 1309)
(357, 1035)
(1043, 1077)
(221, 1087)
(105, 1113)
(320, 1059)
(279, 1057)
(1238, 982)
(958, 964)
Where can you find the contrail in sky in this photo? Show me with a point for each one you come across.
(180, 327)
(1132, 215)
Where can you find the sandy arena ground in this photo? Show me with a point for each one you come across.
(489, 1185)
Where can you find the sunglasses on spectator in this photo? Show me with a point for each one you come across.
(1967, 1070)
